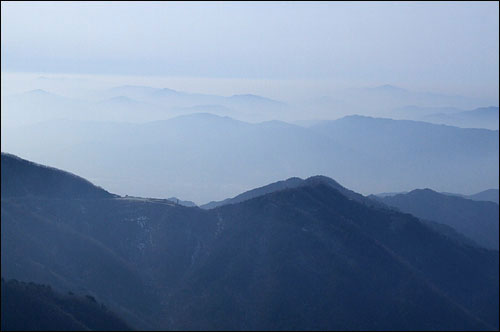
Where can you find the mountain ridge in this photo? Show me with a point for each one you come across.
(305, 258)
(477, 220)
(17, 168)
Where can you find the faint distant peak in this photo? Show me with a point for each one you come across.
(128, 86)
(252, 97)
(488, 109)
(201, 115)
(358, 117)
(427, 193)
(206, 117)
(166, 92)
(120, 99)
(209, 107)
(491, 195)
(39, 92)
(277, 123)
(492, 191)
(248, 95)
(388, 87)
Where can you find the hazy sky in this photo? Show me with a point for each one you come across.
(446, 47)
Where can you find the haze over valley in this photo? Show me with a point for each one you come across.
(253, 166)
(203, 147)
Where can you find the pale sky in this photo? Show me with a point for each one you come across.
(446, 47)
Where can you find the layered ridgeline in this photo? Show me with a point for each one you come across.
(484, 117)
(203, 157)
(486, 195)
(31, 307)
(307, 257)
(294, 182)
(134, 104)
(477, 220)
(21, 178)
(490, 195)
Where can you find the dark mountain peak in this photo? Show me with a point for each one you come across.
(316, 179)
(270, 188)
(427, 191)
(324, 180)
(294, 182)
(21, 177)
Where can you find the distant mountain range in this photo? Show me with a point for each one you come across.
(485, 195)
(134, 104)
(490, 195)
(307, 257)
(221, 157)
(477, 220)
(483, 117)
(388, 97)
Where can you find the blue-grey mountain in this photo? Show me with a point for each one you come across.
(306, 257)
(222, 157)
(477, 220)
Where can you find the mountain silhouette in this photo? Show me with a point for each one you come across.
(167, 158)
(294, 182)
(24, 178)
(307, 257)
(485, 195)
(477, 220)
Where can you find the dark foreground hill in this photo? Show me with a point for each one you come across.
(34, 307)
(24, 178)
(308, 257)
